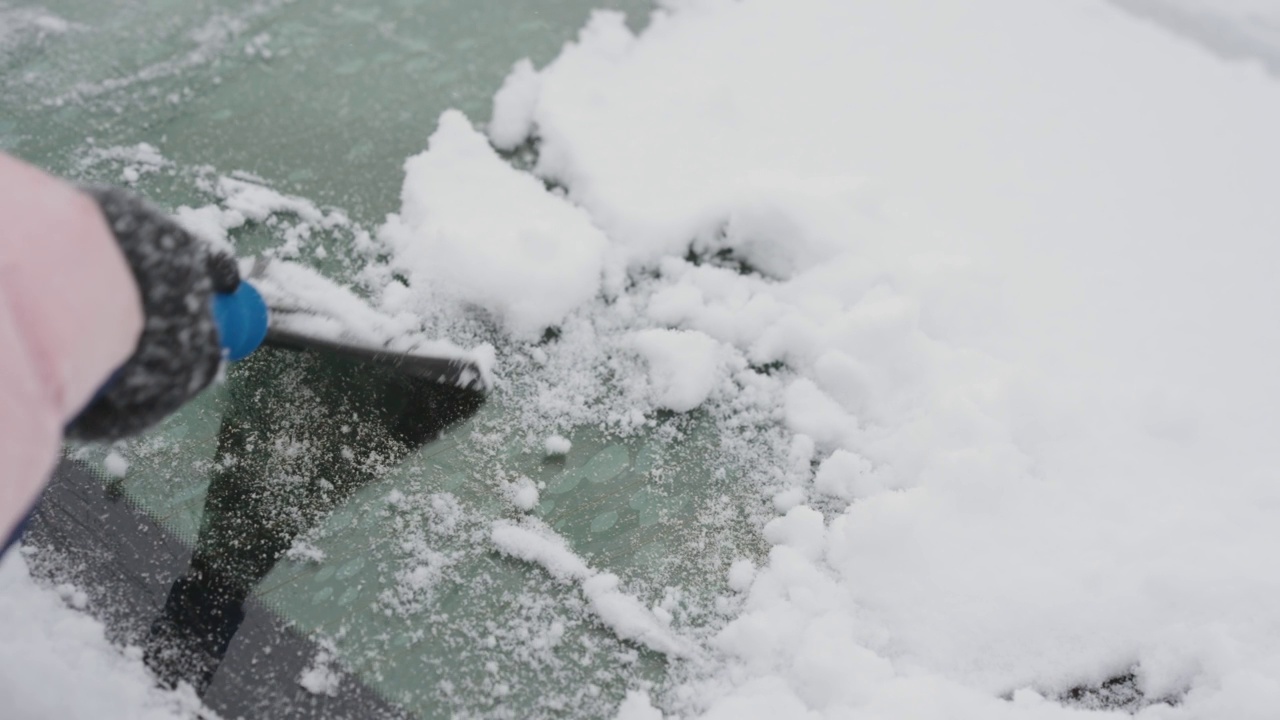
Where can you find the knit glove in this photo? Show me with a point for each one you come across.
(179, 353)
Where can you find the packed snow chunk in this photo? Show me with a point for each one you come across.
(801, 529)
(115, 464)
(629, 618)
(782, 224)
(784, 500)
(557, 445)
(741, 573)
(524, 494)
(624, 614)
(684, 366)
(811, 412)
(637, 706)
(847, 476)
(535, 543)
(676, 304)
(846, 380)
(473, 227)
(513, 107)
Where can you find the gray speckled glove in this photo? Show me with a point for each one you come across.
(178, 353)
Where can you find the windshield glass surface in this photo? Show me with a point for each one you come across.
(355, 503)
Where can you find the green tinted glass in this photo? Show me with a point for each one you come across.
(380, 495)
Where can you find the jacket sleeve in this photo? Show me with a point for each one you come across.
(69, 315)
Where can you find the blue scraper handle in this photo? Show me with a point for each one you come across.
(241, 317)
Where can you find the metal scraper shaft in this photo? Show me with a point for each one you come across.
(452, 371)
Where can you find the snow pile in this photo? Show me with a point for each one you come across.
(43, 643)
(499, 240)
(988, 285)
(1004, 269)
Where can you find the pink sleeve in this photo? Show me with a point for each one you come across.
(70, 314)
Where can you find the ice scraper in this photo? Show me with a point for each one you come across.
(290, 306)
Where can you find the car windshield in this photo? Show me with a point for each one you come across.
(814, 358)
(351, 502)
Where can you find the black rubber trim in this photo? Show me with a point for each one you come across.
(128, 565)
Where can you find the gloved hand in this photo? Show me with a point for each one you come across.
(178, 354)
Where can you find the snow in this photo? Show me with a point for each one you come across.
(996, 275)
(741, 573)
(557, 445)
(322, 678)
(524, 494)
(547, 550)
(57, 663)
(115, 464)
(513, 107)
(305, 302)
(208, 44)
(29, 24)
(637, 706)
(303, 551)
(135, 160)
(621, 612)
(1017, 286)
(471, 228)
(1237, 30)
(847, 476)
(210, 223)
(683, 366)
(308, 302)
